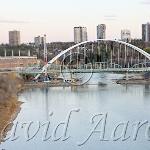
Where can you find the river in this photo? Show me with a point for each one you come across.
(46, 112)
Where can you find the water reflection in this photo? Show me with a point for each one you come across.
(46, 104)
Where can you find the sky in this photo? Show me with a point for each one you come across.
(56, 18)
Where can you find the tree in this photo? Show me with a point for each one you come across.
(147, 50)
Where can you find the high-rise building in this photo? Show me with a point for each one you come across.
(146, 32)
(14, 38)
(38, 41)
(126, 35)
(101, 31)
(80, 34)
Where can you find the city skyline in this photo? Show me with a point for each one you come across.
(80, 34)
(56, 19)
(101, 31)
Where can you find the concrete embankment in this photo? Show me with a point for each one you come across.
(10, 85)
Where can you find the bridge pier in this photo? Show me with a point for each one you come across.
(5, 53)
(125, 59)
(29, 54)
(19, 53)
(84, 54)
(127, 76)
(12, 53)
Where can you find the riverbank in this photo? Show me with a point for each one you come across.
(28, 85)
(9, 104)
(134, 81)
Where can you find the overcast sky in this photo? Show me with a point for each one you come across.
(56, 18)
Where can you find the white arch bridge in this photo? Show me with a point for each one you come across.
(101, 55)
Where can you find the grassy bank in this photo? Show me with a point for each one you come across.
(10, 84)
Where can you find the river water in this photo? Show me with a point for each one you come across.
(109, 105)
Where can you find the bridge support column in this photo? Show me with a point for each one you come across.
(106, 48)
(132, 59)
(78, 57)
(5, 53)
(12, 53)
(138, 58)
(127, 76)
(128, 65)
(84, 54)
(125, 60)
(118, 55)
(70, 56)
(64, 57)
(145, 61)
(106, 53)
(92, 54)
(29, 54)
(19, 53)
(114, 65)
(111, 58)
